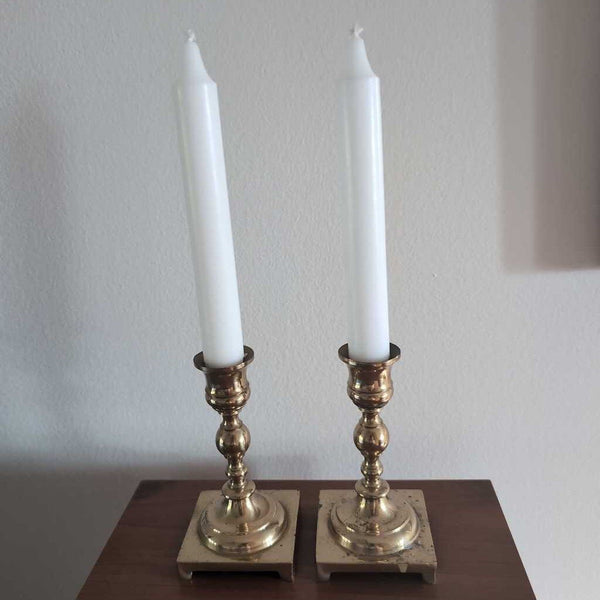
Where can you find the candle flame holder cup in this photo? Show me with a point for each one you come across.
(238, 528)
(375, 528)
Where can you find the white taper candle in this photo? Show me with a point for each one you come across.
(208, 212)
(362, 189)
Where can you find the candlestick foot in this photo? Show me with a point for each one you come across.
(358, 533)
(241, 526)
(374, 526)
(195, 556)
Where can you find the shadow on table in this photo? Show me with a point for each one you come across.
(55, 521)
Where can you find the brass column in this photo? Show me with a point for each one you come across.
(238, 528)
(369, 523)
(374, 528)
(242, 521)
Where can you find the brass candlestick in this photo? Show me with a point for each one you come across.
(239, 523)
(381, 530)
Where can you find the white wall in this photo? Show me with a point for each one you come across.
(492, 155)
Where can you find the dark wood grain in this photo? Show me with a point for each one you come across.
(477, 556)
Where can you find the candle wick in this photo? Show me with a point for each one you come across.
(191, 36)
(356, 30)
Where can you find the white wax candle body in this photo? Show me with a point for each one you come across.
(362, 188)
(208, 213)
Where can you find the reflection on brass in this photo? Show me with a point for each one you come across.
(241, 521)
(374, 529)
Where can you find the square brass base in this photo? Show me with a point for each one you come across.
(194, 556)
(331, 557)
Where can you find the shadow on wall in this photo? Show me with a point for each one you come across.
(549, 108)
(39, 327)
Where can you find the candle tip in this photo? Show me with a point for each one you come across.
(356, 31)
(191, 35)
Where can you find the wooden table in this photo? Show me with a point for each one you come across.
(477, 557)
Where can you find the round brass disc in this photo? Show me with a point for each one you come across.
(242, 526)
(374, 526)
